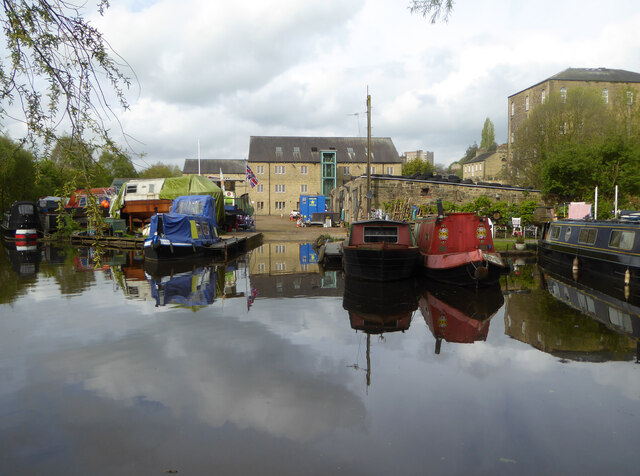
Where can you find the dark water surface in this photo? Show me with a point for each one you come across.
(270, 367)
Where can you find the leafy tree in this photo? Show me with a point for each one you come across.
(160, 170)
(17, 173)
(113, 165)
(470, 153)
(488, 137)
(433, 8)
(416, 166)
(49, 42)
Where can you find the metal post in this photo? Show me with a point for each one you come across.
(368, 155)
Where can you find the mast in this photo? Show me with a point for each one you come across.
(368, 155)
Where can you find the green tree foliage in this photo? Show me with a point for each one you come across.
(435, 9)
(113, 165)
(160, 170)
(470, 153)
(50, 43)
(17, 173)
(416, 166)
(568, 147)
(488, 137)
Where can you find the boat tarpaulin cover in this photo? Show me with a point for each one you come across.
(194, 185)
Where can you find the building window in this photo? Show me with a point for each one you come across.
(279, 169)
(260, 249)
(605, 96)
(296, 153)
(346, 170)
(280, 248)
(260, 169)
(350, 152)
(280, 266)
(279, 152)
(373, 169)
(526, 103)
(260, 188)
(304, 170)
(543, 96)
(280, 188)
(279, 205)
(629, 98)
(260, 205)
(513, 108)
(390, 170)
(304, 188)
(563, 94)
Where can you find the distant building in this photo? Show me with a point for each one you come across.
(486, 165)
(287, 167)
(233, 173)
(427, 156)
(608, 81)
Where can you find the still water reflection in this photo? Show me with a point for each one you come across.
(269, 366)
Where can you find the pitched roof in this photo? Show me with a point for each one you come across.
(213, 166)
(307, 149)
(591, 74)
(480, 158)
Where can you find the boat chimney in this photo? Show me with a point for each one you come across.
(440, 207)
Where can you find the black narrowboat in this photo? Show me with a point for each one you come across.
(21, 222)
(608, 248)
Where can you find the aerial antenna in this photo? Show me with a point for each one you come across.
(357, 115)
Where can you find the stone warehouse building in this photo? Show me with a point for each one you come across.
(609, 82)
(287, 167)
(232, 171)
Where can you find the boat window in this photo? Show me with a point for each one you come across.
(587, 236)
(131, 188)
(198, 229)
(555, 232)
(189, 208)
(205, 228)
(82, 202)
(622, 239)
(25, 209)
(377, 234)
(567, 234)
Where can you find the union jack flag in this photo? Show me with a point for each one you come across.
(253, 181)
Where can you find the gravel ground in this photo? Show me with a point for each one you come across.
(275, 228)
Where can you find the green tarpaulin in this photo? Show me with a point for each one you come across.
(194, 185)
(176, 186)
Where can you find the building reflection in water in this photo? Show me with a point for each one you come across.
(576, 320)
(458, 314)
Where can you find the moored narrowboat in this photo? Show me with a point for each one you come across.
(188, 231)
(458, 249)
(380, 250)
(609, 248)
(21, 222)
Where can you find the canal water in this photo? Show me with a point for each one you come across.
(269, 365)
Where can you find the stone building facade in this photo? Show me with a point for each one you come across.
(287, 167)
(232, 171)
(350, 199)
(609, 82)
(486, 165)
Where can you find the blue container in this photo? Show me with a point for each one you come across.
(310, 204)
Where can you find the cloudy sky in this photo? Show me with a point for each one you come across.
(217, 72)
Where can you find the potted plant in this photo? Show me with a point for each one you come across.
(520, 245)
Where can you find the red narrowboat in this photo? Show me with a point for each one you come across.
(458, 249)
(380, 250)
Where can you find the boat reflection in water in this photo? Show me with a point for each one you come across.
(600, 300)
(25, 257)
(195, 288)
(377, 307)
(458, 314)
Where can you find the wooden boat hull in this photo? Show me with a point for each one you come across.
(380, 262)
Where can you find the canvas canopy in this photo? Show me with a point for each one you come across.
(174, 187)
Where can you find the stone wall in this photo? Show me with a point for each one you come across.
(351, 197)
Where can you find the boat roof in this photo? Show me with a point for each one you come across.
(379, 221)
